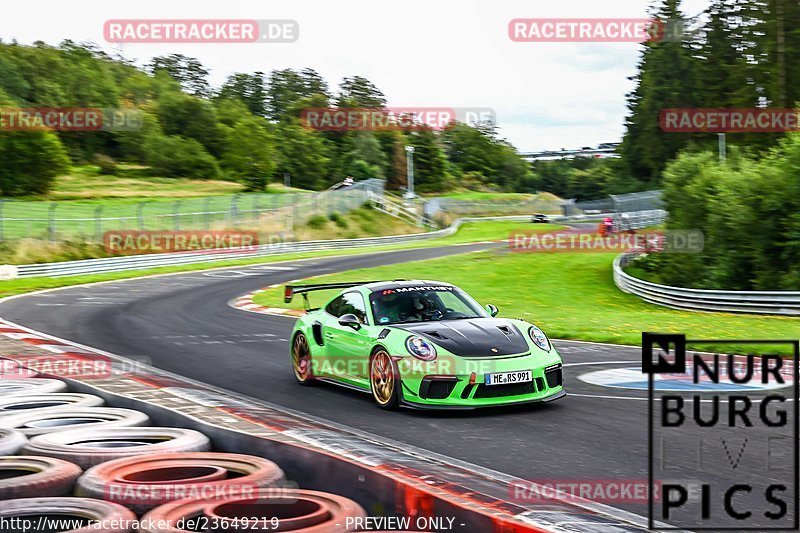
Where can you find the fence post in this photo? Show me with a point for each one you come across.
(140, 215)
(617, 203)
(256, 206)
(2, 220)
(98, 222)
(234, 210)
(176, 215)
(295, 209)
(206, 213)
(51, 221)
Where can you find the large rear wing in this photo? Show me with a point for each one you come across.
(290, 290)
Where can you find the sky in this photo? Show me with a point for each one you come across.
(420, 53)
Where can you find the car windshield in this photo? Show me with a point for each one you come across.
(423, 304)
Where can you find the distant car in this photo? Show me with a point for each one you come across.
(539, 218)
(587, 148)
(422, 344)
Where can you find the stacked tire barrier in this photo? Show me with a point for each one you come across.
(69, 463)
(325, 474)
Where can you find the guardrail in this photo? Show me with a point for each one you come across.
(754, 302)
(137, 262)
(402, 209)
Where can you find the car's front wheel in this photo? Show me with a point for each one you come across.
(301, 360)
(384, 380)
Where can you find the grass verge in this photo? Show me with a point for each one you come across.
(361, 222)
(472, 232)
(570, 296)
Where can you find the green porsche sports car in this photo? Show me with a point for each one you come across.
(422, 344)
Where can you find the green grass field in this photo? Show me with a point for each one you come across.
(469, 233)
(569, 295)
(474, 196)
(134, 182)
(79, 199)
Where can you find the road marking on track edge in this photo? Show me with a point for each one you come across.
(601, 509)
(636, 398)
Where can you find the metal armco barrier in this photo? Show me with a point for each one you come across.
(754, 302)
(137, 262)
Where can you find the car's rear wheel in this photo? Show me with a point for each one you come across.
(384, 380)
(301, 360)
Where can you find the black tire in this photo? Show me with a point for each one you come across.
(28, 476)
(30, 386)
(14, 405)
(89, 447)
(112, 518)
(303, 371)
(385, 395)
(11, 441)
(302, 511)
(67, 419)
(138, 483)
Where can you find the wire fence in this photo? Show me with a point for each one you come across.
(445, 210)
(616, 203)
(88, 221)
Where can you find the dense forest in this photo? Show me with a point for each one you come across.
(745, 54)
(738, 53)
(248, 130)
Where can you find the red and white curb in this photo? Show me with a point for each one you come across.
(15, 332)
(245, 303)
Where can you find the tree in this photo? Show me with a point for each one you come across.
(249, 154)
(175, 157)
(357, 91)
(430, 163)
(287, 87)
(393, 145)
(187, 71)
(477, 151)
(665, 79)
(365, 159)
(190, 117)
(304, 155)
(31, 160)
(470, 150)
(249, 88)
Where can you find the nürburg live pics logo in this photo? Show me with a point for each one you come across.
(722, 434)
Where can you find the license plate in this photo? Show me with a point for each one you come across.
(504, 378)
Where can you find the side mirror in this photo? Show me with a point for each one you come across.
(492, 309)
(349, 320)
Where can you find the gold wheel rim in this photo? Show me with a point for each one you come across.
(382, 378)
(301, 358)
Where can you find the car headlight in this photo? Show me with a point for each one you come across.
(420, 348)
(539, 338)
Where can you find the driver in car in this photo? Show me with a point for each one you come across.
(405, 307)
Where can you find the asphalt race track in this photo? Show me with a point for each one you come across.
(183, 324)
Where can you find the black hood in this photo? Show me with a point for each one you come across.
(476, 337)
